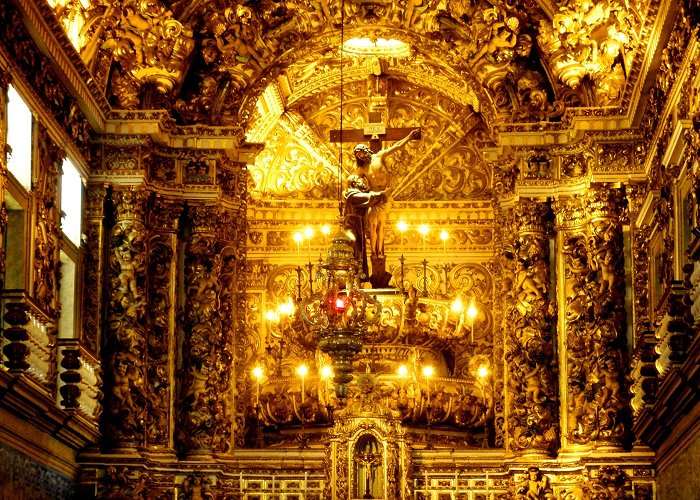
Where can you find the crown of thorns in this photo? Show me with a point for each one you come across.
(362, 147)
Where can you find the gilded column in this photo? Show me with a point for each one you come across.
(161, 338)
(204, 408)
(595, 401)
(4, 84)
(125, 344)
(531, 395)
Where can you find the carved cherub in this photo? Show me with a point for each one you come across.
(127, 270)
(124, 380)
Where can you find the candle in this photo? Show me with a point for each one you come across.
(302, 371)
(298, 237)
(257, 373)
(423, 229)
(444, 235)
(308, 234)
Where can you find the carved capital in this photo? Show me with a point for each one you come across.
(129, 203)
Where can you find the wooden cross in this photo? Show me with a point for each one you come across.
(374, 132)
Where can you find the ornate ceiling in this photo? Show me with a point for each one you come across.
(475, 70)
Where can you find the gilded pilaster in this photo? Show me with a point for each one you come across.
(161, 338)
(93, 266)
(241, 343)
(204, 406)
(531, 395)
(47, 227)
(595, 401)
(125, 344)
(4, 84)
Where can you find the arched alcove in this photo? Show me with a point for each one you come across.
(368, 468)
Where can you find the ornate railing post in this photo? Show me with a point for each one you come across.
(531, 397)
(16, 350)
(70, 390)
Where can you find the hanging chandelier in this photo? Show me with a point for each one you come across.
(340, 311)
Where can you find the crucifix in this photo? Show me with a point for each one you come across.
(374, 195)
(374, 132)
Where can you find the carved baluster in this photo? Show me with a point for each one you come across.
(16, 351)
(531, 403)
(162, 281)
(70, 391)
(125, 345)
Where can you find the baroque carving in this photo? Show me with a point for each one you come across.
(127, 399)
(47, 229)
(531, 403)
(594, 294)
(595, 41)
(93, 265)
(205, 414)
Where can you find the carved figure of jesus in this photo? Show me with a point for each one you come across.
(372, 166)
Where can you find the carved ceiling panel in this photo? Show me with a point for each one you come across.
(208, 61)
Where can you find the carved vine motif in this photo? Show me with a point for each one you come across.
(531, 401)
(127, 400)
(47, 230)
(205, 409)
(594, 289)
(158, 386)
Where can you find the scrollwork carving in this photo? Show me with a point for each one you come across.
(531, 406)
(127, 399)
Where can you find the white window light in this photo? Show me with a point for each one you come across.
(71, 201)
(19, 138)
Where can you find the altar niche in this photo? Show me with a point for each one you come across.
(368, 468)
